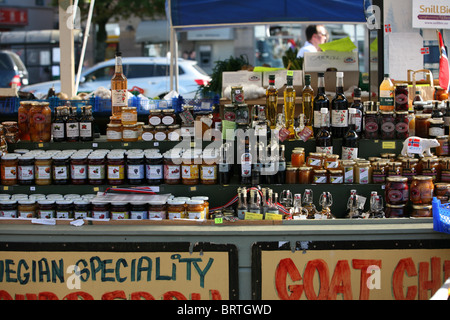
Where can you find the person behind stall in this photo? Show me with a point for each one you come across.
(315, 35)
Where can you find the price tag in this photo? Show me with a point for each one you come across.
(155, 144)
(388, 145)
(125, 144)
(5, 188)
(94, 145)
(96, 189)
(253, 216)
(218, 220)
(273, 216)
(33, 188)
(193, 189)
(290, 73)
(40, 145)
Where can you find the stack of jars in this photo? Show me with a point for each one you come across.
(162, 126)
(126, 128)
(34, 121)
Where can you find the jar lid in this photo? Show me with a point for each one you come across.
(81, 202)
(129, 125)
(60, 157)
(168, 110)
(305, 168)
(10, 156)
(422, 206)
(410, 160)
(396, 206)
(128, 108)
(194, 202)
(320, 171)
(64, 201)
(203, 198)
(335, 171)
(115, 156)
(423, 115)
(156, 202)
(114, 125)
(96, 156)
(442, 137)
(8, 202)
(135, 156)
(397, 179)
(174, 126)
(46, 201)
(138, 203)
(119, 203)
(176, 202)
(422, 177)
(155, 111)
(26, 201)
(160, 127)
(153, 155)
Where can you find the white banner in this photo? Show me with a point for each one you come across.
(431, 14)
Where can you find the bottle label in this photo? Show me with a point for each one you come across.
(371, 126)
(10, 173)
(85, 129)
(327, 150)
(73, 129)
(129, 117)
(154, 172)
(208, 173)
(58, 130)
(78, 171)
(119, 98)
(246, 165)
(155, 120)
(199, 215)
(224, 167)
(60, 172)
(349, 153)
(436, 131)
(25, 172)
(387, 98)
(135, 171)
(189, 171)
(62, 214)
(96, 172)
(138, 215)
(339, 118)
(80, 214)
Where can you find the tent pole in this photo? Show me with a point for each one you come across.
(66, 47)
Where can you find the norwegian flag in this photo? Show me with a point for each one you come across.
(415, 143)
(444, 68)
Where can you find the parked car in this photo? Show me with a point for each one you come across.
(12, 70)
(147, 73)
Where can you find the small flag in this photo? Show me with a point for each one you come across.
(414, 143)
(444, 68)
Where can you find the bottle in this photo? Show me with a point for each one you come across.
(72, 126)
(254, 202)
(339, 109)
(387, 90)
(225, 168)
(271, 102)
(265, 201)
(59, 125)
(307, 101)
(289, 107)
(242, 203)
(320, 101)
(437, 113)
(246, 165)
(217, 120)
(358, 106)
(86, 124)
(324, 141)
(273, 202)
(298, 211)
(350, 141)
(280, 177)
(447, 117)
(119, 84)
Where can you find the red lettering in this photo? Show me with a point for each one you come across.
(363, 264)
(141, 295)
(80, 295)
(118, 294)
(340, 282)
(404, 265)
(195, 296)
(31, 296)
(47, 296)
(5, 295)
(324, 279)
(435, 283)
(173, 295)
(446, 269)
(215, 295)
(285, 267)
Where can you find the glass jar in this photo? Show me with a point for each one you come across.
(130, 133)
(168, 117)
(394, 168)
(379, 172)
(99, 210)
(371, 125)
(396, 190)
(60, 169)
(154, 168)
(114, 132)
(173, 132)
(430, 166)
(195, 209)
(172, 170)
(402, 125)
(78, 169)
(443, 148)
(9, 167)
(138, 210)
(387, 128)
(96, 169)
(396, 211)
(436, 128)
(421, 211)
(135, 168)
(401, 97)
(205, 204)
(445, 169)
(305, 175)
(157, 210)
(421, 190)
(25, 170)
(155, 117)
(422, 124)
(331, 161)
(348, 166)
(160, 133)
(119, 211)
(409, 168)
(8, 208)
(45, 209)
(176, 209)
(190, 169)
(64, 209)
(291, 174)
(129, 115)
(43, 170)
(441, 188)
(23, 120)
(336, 176)
(298, 157)
(115, 169)
(80, 209)
(208, 169)
(363, 172)
(26, 208)
(320, 176)
(315, 160)
(40, 122)
(147, 133)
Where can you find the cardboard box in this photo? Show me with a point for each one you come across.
(351, 78)
(330, 60)
(241, 78)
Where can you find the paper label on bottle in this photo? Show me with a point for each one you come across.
(58, 130)
(25, 172)
(135, 171)
(119, 97)
(349, 153)
(174, 135)
(168, 120)
(60, 172)
(339, 118)
(72, 129)
(154, 172)
(46, 214)
(78, 171)
(160, 136)
(85, 129)
(10, 172)
(96, 172)
(386, 97)
(119, 215)
(129, 117)
(327, 150)
(253, 216)
(436, 132)
(26, 214)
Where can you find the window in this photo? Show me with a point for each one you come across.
(101, 74)
(140, 71)
(163, 70)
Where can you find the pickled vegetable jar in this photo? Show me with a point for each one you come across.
(40, 120)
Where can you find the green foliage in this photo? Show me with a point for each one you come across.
(290, 60)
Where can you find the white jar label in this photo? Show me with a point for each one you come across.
(60, 173)
(154, 171)
(156, 215)
(119, 97)
(116, 172)
(147, 136)
(43, 172)
(96, 171)
(25, 172)
(79, 171)
(113, 135)
(85, 129)
(10, 172)
(135, 171)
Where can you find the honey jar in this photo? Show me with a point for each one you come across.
(114, 132)
(315, 160)
(129, 115)
(363, 172)
(291, 174)
(43, 170)
(26, 208)
(336, 176)
(160, 133)
(195, 209)
(348, 167)
(9, 167)
(147, 133)
(168, 117)
(320, 176)
(298, 157)
(155, 117)
(176, 209)
(305, 175)
(130, 132)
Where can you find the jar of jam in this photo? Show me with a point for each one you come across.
(298, 157)
(441, 188)
(436, 128)
(135, 168)
(336, 176)
(64, 209)
(402, 125)
(154, 168)
(371, 125)
(291, 174)
(138, 210)
(305, 175)
(331, 161)
(363, 172)
(172, 169)
(115, 169)
(130, 133)
(43, 170)
(46, 209)
(421, 190)
(114, 132)
(157, 210)
(25, 169)
(379, 172)
(409, 168)
(99, 210)
(176, 209)
(195, 209)
(9, 167)
(421, 211)
(40, 122)
(443, 148)
(129, 115)
(26, 208)
(396, 211)
(315, 160)
(96, 169)
(320, 176)
(79, 168)
(348, 166)
(119, 210)
(173, 132)
(8, 208)
(401, 97)
(445, 169)
(23, 120)
(190, 169)
(147, 133)
(394, 168)
(422, 124)
(205, 204)
(430, 166)
(168, 117)
(155, 117)
(81, 209)
(60, 169)
(397, 190)
(387, 128)
(160, 133)
(208, 169)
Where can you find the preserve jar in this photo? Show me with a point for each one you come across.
(379, 172)
(173, 132)
(195, 209)
(81, 209)
(157, 210)
(421, 190)
(155, 117)
(421, 211)
(422, 124)
(402, 125)
(96, 168)
(436, 128)
(190, 169)
(315, 160)
(45, 209)
(298, 157)
(99, 210)
(394, 168)
(305, 175)
(205, 204)
(363, 172)
(168, 117)
(291, 174)
(160, 133)
(64, 209)
(396, 211)
(79, 168)
(430, 166)
(23, 114)
(401, 97)
(331, 161)
(154, 168)
(129, 115)
(25, 169)
(320, 176)
(445, 169)
(8, 208)
(114, 132)
(60, 169)
(135, 168)
(371, 125)
(43, 170)
(396, 190)
(441, 188)
(443, 148)
(172, 170)
(40, 122)
(387, 128)
(138, 210)
(9, 166)
(409, 168)
(348, 167)
(336, 176)
(176, 209)
(208, 169)
(130, 133)
(119, 210)
(26, 208)
(115, 169)
(147, 133)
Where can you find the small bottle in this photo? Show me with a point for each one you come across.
(307, 101)
(242, 203)
(58, 125)
(271, 102)
(350, 141)
(72, 126)
(289, 107)
(265, 201)
(119, 85)
(281, 173)
(387, 90)
(324, 142)
(246, 166)
(358, 106)
(254, 205)
(308, 203)
(299, 213)
(339, 109)
(320, 101)
(86, 124)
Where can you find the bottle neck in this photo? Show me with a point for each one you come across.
(340, 85)
(119, 68)
(321, 85)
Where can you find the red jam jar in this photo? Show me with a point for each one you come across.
(397, 190)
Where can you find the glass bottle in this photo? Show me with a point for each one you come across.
(271, 102)
(242, 203)
(324, 142)
(447, 117)
(254, 205)
(246, 165)
(387, 89)
(58, 125)
(358, 106)
(320, 101)
(86, 124)
(308, 203)
(307, 101)
(350, 141)
(339, 109)
(289, 106)
(72, 126)
(265, 201)
(437, 113)
(298, 212)
(281, 173)
(273, 202)
(119, 86)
